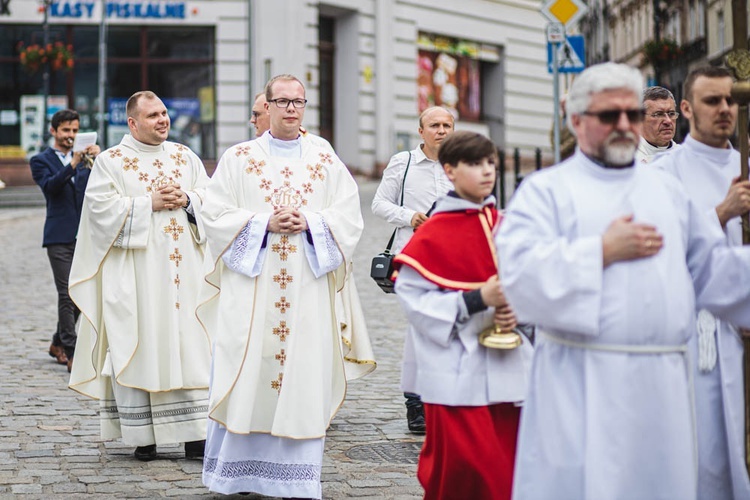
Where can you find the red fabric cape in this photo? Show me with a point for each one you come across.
(454, 250)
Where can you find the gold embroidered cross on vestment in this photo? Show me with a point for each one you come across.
(128, 163)
(284, 248)
(254, 166)
(281, 357)
(283, 279)
(174, 229)
(276, 384)
(176, 257)
(178, 159)
(282, 330)
(282, 305)
(316, 172)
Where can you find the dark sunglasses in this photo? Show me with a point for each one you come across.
(612, 116)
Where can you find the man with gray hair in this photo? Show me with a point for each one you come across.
(659, 124)
(609, 259)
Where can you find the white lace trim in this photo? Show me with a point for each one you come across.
(245, 256)
(127, 227)
(258, 469)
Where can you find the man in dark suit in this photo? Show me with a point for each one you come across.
(62, 174)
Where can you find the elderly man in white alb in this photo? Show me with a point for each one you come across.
(423, 180)
(282, 218)
(135, 277)
(708, 167)
(609, 258)
(659, 124)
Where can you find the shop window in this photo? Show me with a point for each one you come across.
(176, 63)
(449, 74)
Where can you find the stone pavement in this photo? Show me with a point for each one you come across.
(49, 435)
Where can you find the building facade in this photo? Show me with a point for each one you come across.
(370, 67)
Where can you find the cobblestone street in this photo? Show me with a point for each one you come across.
(49, 435)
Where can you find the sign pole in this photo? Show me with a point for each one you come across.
(738, 60)
(556, 99)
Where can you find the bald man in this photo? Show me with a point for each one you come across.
(424, 181)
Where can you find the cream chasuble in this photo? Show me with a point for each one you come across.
(135, 277)
(279, 356)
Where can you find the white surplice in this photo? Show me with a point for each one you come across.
(135, 277)
(706, 173)
(280, 360)
(609, 413)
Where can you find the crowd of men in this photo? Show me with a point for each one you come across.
(221, 313)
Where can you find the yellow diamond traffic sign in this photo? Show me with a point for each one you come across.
(567, 12)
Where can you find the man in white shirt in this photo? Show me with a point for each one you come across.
(425, 182)
(708, 167)
(658, 129)
(609, 258)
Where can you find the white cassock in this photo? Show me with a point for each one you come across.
(135, 277)
(281, 361)
(706, 173)
(609, 413)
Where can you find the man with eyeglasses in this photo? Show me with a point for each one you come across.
(659, 124)
(282, 218)
(609, 258)
(708, 167)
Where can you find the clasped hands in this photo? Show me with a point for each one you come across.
(168, 197)
(287, 220)
(493, 296)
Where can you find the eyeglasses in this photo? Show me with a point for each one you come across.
(284, 103)
(255, 114)
(612, 116)
(660, 115)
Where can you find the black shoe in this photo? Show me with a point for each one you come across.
(415, 419)
(194, 450)
(145, 453)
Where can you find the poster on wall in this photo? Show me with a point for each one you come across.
(32, 119)
(449, 74)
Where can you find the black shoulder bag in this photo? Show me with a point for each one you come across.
(381, 268)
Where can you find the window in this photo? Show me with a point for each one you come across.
(177, 63)
(449, 74)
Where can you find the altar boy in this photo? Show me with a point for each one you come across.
(447, 282)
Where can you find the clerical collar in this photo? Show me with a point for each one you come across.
(142, 146)
(286, 149)
(604, 164)
(656, 148)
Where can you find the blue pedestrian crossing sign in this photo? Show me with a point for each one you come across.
(571, 56)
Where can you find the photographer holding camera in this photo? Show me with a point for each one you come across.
(62, 175)
(420, 176)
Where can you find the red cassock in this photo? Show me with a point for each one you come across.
(469, 451)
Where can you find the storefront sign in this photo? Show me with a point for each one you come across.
(119, 10)
(4, 7)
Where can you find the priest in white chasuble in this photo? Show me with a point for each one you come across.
(135, 277)
(282, 217)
